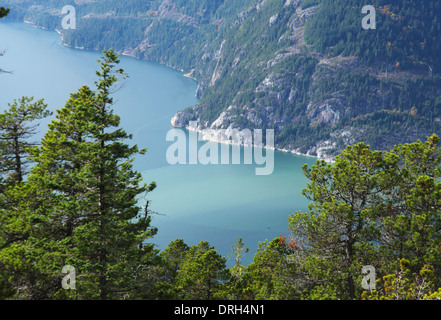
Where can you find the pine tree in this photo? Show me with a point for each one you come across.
(17, 126)
(87, 195)
(340, 227)
(371, 208)
(201, 273)
(411, 219)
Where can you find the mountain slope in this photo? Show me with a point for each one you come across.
(319, 99)
(306, 69)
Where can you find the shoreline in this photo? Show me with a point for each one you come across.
(205, 137)
(188, 75)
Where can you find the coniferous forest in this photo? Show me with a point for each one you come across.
(74, 199)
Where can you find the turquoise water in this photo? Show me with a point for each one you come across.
(217, 203)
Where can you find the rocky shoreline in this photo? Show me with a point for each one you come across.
(212, 135)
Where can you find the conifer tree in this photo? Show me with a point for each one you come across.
(201, 273)
(411, 217)
(340, 227)
(88, 194)
(17, 126)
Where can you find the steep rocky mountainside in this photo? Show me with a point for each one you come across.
(306, 69)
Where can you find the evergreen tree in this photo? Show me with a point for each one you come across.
(371, 208)
(201, 273)
(411, 219)
(274, 273)
(172, 259)
(406, 285)
(236, 286)
(17, 125)
(87, 196)
(340, 227)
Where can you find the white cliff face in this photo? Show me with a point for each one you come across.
(323, 113)
(223, 118)
(218, 70)
(168, 10)
(181, 119)
(294, 3)
(300, 18)
(267, 84)
(321, 150)
(229, 135)
(273, 20)
(260, 4)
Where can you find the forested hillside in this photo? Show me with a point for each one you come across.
(304, 68)
(407, 32)
(172, 32)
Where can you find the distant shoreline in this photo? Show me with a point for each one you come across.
(329, 160)
(189, 76)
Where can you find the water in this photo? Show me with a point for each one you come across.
(195, 202)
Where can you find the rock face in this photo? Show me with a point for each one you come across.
(168, 10)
